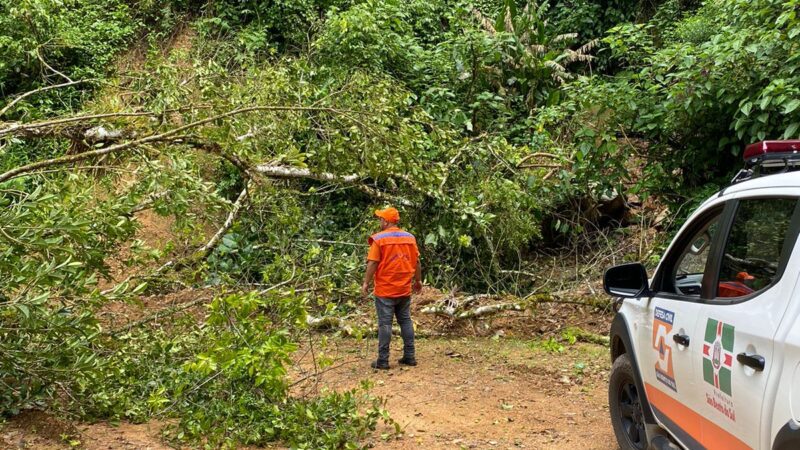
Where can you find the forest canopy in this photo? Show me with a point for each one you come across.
(267, 133)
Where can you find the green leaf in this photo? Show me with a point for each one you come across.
(791, 130)
(24, 310)
(791, 106)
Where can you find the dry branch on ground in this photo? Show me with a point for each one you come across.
(459, 309)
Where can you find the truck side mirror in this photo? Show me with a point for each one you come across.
(626, 280)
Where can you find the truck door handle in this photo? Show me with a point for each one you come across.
(755, 361)
(681, 339)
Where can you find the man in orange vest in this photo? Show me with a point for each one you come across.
(393, 264)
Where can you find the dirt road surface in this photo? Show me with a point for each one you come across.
(486, 393)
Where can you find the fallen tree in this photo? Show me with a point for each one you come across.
(84, 131)
(488, 310)
(171, 135)
(460, 309)
(450, 305)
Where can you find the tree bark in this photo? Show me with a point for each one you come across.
(274, 171)
(287, 172)
(490, 310)
(450, 306)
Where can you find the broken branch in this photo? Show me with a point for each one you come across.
(519, 272)
(203, 252)
(329, 322)
(275, 171)
(537, 155)
(165, 136)
(450, 305)
(490, 309)
(33, 129)
(41, 89)
(287, 172)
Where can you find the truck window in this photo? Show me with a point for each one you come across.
(753, 247)
(687, 278)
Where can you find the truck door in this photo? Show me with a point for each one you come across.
(666, 344)
(736, 327)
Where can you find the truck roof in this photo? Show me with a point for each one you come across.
(788, 179)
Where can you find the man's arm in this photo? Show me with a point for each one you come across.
(372, 267)
(418, 278)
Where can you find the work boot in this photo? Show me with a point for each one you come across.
(380, 365)
(407, 361)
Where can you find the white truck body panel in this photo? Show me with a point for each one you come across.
(761, 403)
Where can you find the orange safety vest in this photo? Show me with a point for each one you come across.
(396, 252)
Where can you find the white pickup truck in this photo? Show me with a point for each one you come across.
(706, 353)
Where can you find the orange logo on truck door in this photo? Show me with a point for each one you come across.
(662, 326)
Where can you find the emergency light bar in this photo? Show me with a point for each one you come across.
(769, 157)
(771, 147)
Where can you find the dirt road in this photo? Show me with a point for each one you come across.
(486, 393)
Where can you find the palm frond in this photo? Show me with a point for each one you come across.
(485, 23)
(587, 47)
(570, 56)
(565, 37)
(556, 67)
(537, 49)
(508, 21)
(560, 77)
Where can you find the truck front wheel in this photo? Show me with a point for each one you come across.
(625, 404)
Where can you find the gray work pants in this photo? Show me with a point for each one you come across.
(387, 308)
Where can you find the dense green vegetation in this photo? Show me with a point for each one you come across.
(497, 127)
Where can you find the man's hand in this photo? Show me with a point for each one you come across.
(416, 288)
(372, 267)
